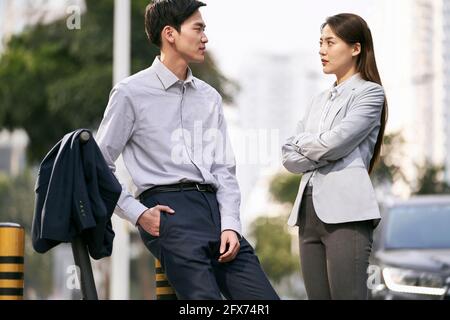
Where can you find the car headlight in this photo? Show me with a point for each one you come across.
(409, 281)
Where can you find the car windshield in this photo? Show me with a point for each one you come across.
(419, 227)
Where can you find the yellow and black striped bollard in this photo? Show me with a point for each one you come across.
(12, 241)
(164, 290)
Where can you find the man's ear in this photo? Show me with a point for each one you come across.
(168, 34)
(356, 49)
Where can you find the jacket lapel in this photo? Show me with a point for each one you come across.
(337, 105)
(341, 101)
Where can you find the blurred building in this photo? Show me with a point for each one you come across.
(431, 79)
(411, 49)
(446, 81)
(275, 90)
(427, 81)
(13, 151)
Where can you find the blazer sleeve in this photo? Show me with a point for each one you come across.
(297, 163)
(294, 161)
(362, 117)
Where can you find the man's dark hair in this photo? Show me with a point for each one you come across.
(162, 13)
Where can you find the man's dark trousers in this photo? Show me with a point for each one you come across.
(188, 248)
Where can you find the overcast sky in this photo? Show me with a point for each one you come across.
(239, 28)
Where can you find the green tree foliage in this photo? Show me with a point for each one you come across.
(284, 187)
(273, 247)
(54, 80)
(273, 240)
(430, 176)
(431, 180)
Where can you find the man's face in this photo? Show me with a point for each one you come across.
(191, 41)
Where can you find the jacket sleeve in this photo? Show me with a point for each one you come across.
(297, 163)
(294, 161)
(362, 117)
(113, 134)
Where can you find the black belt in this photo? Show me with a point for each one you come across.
(188, 186)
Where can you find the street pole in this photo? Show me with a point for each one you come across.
(120, 259)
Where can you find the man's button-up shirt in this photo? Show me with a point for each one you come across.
(169, 131)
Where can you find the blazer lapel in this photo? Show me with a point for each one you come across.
(338, 103)
(341, 101)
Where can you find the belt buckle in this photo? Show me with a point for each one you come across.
(201, 188)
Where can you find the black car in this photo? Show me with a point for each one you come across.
(411, 250)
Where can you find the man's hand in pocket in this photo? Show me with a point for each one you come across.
(151, 218)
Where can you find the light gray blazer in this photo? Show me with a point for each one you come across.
(342, 152)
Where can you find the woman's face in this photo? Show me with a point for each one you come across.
(336, 55)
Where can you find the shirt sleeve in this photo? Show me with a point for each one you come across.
(113, 134)
(223, 169)
(363, 116)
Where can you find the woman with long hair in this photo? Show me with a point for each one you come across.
(335, 148)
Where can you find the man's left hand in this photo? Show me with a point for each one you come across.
(229, 246)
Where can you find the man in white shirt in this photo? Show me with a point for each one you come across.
(170, 128)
